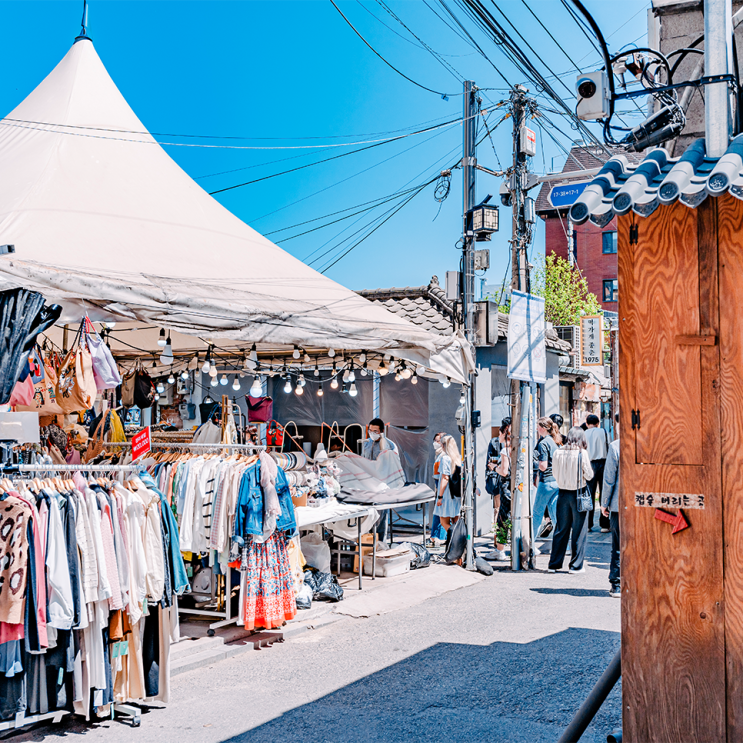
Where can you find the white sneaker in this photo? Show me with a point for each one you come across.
(497, 556)
(579, 570)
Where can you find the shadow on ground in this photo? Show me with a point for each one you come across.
(582, 592)
(448, 693)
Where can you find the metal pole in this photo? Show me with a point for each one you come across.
(468, 308)
(718, 29)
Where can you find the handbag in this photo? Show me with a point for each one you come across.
(105, 371)
(76, 388)
(137, 388)
(44, 379)
(274, 434)
(583, 493)
(95, 443)
(260, 409)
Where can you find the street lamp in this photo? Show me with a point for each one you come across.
(484, 221)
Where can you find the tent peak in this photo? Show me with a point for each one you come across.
(84, 24)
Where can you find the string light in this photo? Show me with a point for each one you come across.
(299, 390)
(334, 383)
(364, 370)
(184, 375)
(256, 389)
(382, 371)
(214, 382)
(295, 353)
(167, 355)
(288, 385)
(171, 378)
(317, 370)
(307, 358)
(414, 380)
(160, 388)
(213, 371)
(353, 391)
(161, 340)
(362, 358)
(351, 375)
(320, 392)
(206, 366)
(331, 352)
(302, 381)
(224, 380)
(446, 382)
(208, 400)
(344, 388)
(236, 384)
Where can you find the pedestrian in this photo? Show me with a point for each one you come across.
(449, 494)
(557, 420)
(598, 447)
(610, 508)
(438, 533)
(499, 464)
(572, 469)
(550, 439)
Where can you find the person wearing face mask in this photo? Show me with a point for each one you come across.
(377, 441)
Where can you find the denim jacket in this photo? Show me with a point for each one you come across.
(249, 509)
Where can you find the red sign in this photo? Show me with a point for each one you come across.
(677, 521)
(141, 443)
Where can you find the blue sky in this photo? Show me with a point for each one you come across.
(286, 74)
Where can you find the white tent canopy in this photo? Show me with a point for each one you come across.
(103, 219)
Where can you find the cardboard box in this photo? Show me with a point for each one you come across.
(300, 500)
(366, 539)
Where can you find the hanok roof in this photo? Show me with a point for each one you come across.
(428, 307)
(622, 186)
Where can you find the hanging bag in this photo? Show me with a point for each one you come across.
(95, 444)
(274, 434)
(76, 388)
(260, 409)
(44, 379)
(105, 371)
(583, 492)
(138, 388)
(455, 482)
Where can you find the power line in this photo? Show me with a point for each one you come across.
(389, 64)
(328, 159)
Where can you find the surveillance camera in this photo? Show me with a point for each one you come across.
(505, 194)
(530, 266)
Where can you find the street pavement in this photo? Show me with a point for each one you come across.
(507, 659)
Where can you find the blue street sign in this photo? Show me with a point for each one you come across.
(567, 194)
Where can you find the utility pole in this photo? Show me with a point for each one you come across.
(520, 461)
(469, 163)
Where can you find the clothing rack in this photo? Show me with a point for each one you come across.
(73, 467)
(176, 445)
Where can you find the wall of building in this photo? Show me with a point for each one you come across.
(595, 265)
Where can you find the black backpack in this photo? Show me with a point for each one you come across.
(455, 482)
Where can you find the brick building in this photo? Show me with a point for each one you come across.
(595, 249)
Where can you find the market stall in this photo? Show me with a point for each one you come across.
(161, 293)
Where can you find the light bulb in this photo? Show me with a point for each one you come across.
(184, 375)
(382, 371)
(295, 353)
(161, 340)
(352, 376)
(362, 358)
(334, 383)
(406, 373)
(302, 381)
(236, 384)
(213, 371)
(353, 391)
(331, 352)
(346, 375)
(397, 377)
(344, 388)
(316, 372)
(205, 366)
(299, 389)
(160, 388)
(224, 380)
(446, 382)
(253, 353)
(392, 365)
(208, 400)
(414, 380)
(307, 358)
(256, 389)
(214, 382)
(110, 325)
(157, 396)
(320, 392)
(288, 386)
(171, 379)
(363, 371)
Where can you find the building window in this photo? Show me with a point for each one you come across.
(611, 290)
(609, 242)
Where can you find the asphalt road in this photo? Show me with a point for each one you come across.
(507, 660)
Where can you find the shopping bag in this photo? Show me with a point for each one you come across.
(105, 370)
(260, 409)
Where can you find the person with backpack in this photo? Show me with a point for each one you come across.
(449, 495)
(500, 465)
(597, 440)
(572, 469)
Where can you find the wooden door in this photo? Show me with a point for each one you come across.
(673, 638)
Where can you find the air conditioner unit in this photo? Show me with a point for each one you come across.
(571, 334)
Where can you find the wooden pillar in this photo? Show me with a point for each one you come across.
(673, 586)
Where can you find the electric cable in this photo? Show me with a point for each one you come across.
(389, 64)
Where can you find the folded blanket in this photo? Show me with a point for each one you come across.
(408, 493)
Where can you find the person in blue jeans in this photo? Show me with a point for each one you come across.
(550, 439)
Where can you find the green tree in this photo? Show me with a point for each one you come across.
(565, 291)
